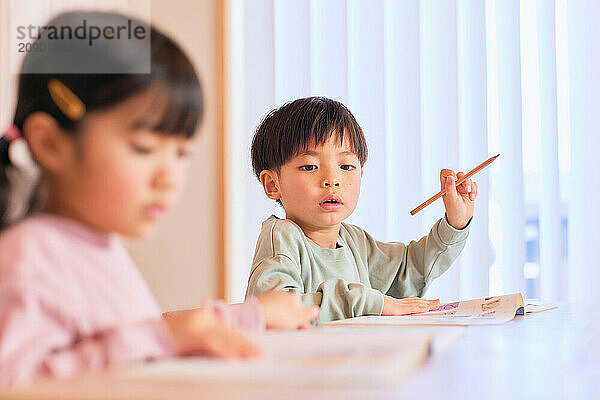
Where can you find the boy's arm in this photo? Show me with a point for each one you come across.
(336, 298)
(401, 270)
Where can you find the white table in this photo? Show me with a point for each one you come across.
(550, 355)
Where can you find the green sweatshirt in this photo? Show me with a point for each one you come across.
(350, 280)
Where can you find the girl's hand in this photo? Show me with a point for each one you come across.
(408, 305)
(283, 310)
(459, 201)
(199, 331)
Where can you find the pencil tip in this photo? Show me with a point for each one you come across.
(497, 155)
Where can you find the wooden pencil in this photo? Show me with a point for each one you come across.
(459, 182)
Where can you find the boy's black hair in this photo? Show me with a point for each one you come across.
(300, 124)
(171, 73)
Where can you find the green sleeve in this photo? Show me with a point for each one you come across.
(400, 270)
(336, 298)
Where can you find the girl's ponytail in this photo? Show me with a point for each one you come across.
(18, 176)
(4, 183)
(5, 165)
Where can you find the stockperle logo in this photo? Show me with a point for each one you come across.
(85, 31)
(78, 41)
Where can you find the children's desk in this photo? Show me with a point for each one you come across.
(551, 355)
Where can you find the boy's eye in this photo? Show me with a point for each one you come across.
(308, 167)
(348, 167)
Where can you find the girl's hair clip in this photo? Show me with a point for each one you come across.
(66, 100)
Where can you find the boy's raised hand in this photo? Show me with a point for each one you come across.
(459, 201)
(408, 305)
(199, 331)
(283, 310)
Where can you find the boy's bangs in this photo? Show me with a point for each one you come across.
(329, 124)
(321, 134)
(300, 125)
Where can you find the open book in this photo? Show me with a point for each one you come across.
(315, 356)
(486, 311)
(314, 363)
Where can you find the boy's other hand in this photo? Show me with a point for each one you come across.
(283, 310)
(459, 201)
(199, 331)
(408, 305)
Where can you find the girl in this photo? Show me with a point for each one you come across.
(110, 154)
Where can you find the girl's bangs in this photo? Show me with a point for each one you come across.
(182, 112)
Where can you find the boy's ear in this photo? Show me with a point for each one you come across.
(270, 184)
(49, 145)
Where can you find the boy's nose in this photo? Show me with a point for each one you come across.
(331, 182)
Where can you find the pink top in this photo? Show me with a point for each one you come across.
(72, 300)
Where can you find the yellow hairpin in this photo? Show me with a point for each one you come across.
(66, 100)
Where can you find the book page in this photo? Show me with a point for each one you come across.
(311, 356)
(536, 308)
(490, 310)
(314, 363)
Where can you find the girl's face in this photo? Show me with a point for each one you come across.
(121, 177)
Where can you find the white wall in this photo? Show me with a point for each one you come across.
(179, 260)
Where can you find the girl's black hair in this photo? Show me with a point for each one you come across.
(299, 124)
(115, 79)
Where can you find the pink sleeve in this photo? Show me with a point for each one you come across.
(247, 315)
(119, 346)
(35, 343)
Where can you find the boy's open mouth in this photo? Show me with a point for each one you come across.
(331, 202)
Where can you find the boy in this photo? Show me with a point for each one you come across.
(308, 156)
